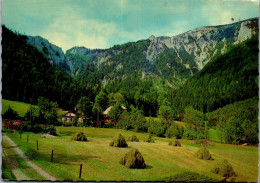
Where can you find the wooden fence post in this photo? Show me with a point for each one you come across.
(80, 170)
(52, 156)
(20, 135)
(37, 144)
(27, 139)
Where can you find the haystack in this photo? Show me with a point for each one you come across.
(149, 139)
(133, 159)
(133, 138)
(224, 169)
(174, 142)
(203, 153)
(80, 137)
(118, 141)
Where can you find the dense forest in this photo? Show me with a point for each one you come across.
(223, 94)
(27, 74)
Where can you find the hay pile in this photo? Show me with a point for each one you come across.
(80, 137)
(224, 169)
(118, 141)
(133, 159)
(203, 153)
(149, 139)
(133, 138)
(174, 142)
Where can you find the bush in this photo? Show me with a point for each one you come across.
(80, 137)
(133, 159)
(174, 142)
(50, 130)
(189, 177)
(10, 114)
(29, 127)
(224, 169)
(156, 127)
(133, 138)
(149, 139)
(118, 141)
(174, 131)
(203, 153)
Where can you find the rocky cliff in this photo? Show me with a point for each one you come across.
(53, 53)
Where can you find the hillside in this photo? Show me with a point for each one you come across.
(27, 74)
(230, 77)
(173, 59)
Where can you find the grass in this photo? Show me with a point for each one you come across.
(6, 174)
(21, 108)
(101, 161)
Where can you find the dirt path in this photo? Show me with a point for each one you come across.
(13, 165)
(39, 170)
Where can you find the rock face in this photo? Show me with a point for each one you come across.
(53, 53)
(203, 43)
(173, 59)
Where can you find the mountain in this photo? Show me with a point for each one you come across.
(27, 74)
(53, 53)
(230, 77)
(172, 59)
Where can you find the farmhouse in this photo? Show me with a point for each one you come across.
(68, 116)
(105, 113)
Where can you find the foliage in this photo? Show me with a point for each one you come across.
(203, 153)
(80, 137)
(156, 127)
(237, 122)
(35, 76)
(133, 159)
(133, 138)
(174, 131)
(31, 115)
(224, 168)
(85, 106)
(118, 141)
(189, 177)
(149, 139)
(115, 112)
(47, 109)
(174, 142)
(50, 130)
(30, 127)
(10, 114)
(166, 113)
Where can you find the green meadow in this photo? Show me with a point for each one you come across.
(101, 161)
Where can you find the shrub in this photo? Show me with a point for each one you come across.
(118, 141)
(189, 177)
(156, 127)
(149, 139)
(203, 153)
(133, 159)
(50, 130)
(29, 127)
(80, 137)
(174, 142)
(10, 114)
(224, 169)
(174, 131)
(133, 138)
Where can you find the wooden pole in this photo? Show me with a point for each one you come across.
(52, 156)
(27, 139)
(20, 135)
(80, 169)
(37, 144)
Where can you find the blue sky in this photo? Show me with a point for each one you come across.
(104, 23)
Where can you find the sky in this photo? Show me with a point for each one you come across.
(104, 23)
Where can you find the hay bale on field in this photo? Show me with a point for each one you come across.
(174, 142)
(80, 137)
(118, 141)
(224, 169)
(203, 153)
(133, 138)
(133, 159)
(149, 139)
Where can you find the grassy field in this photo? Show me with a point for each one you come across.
(21, 108)
(101, 162)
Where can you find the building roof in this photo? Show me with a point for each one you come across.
(109, 108)
(68, 115)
